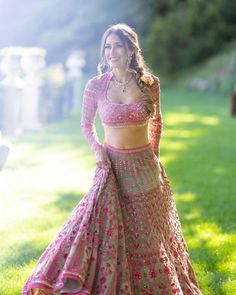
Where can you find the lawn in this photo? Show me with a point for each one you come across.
(48, 173)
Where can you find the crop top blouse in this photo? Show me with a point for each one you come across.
(118, 114)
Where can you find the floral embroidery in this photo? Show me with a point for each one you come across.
(153, 274)
(137, 275)
(102, 280)
(124, 237)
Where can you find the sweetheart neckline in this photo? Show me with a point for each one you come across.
(117, 103)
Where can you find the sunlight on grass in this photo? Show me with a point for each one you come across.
(176, 118)
(181, 134)
(176, 146)
(179, 118)
(210, 121)
(187, 197)
(218, 253)
(167, 158)
(49, 172)
(10, 286)
(55, 171)
(213, 235)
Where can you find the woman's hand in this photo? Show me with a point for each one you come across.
(102, 159)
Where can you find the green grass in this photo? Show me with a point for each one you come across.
(48, 173)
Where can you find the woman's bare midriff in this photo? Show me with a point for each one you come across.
(126, 137)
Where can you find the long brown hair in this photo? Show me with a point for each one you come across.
(137, 64)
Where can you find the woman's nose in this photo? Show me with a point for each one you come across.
(113, 51)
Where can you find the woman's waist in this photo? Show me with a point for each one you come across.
(119, 143)
(127, 148)
(126, 138)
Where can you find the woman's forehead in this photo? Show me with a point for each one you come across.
(113, 38)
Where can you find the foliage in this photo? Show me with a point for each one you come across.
(216, 74)
(62, 26)
(185, 32)
(174, 34)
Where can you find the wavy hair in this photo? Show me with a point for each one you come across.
(137, 65)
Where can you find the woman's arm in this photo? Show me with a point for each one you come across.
(89, 109)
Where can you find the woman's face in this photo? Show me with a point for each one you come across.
(116, 53)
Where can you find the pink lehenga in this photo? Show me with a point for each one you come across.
(124, 237)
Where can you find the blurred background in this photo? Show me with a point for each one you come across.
(48, 51)
(49, 48)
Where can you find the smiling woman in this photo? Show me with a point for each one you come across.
(124, 237)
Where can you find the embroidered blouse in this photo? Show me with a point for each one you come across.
(119, 114)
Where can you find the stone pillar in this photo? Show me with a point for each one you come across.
(20, 88)
(11, 93)
(74, 64)
(32, 66)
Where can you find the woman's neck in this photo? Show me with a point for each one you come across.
(121, 75)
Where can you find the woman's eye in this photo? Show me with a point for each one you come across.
(117, 46)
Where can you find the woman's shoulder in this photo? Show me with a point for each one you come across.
(97, 84)
(99, 79)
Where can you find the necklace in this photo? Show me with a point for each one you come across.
(122, 84)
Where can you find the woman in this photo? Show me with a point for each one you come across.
(124, 237)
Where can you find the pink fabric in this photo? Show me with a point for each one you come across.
(124, 237)
(115, 114)
(88, 117)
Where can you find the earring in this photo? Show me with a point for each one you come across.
(106, 65)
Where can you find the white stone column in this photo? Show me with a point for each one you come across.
(32, 66)
(11, 90)
(75, 63)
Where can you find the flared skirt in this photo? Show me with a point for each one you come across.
(124, 237)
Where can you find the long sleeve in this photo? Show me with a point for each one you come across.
(155, 122)
(89, 109)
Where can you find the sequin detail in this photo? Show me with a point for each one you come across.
(118, 115)
(121, 114)
(124, 237)
(125, 125)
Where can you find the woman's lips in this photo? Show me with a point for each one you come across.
(114, 59)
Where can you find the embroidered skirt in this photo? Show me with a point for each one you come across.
(124, 237)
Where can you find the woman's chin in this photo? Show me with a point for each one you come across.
(116, 67)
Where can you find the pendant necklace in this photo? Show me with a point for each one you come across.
(122, 84)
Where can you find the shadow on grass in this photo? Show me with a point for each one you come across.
(23, 254)
(60, 136)
(202, 166)
(202, 173)
(66, 201)
(205, 255)
(207, 170)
